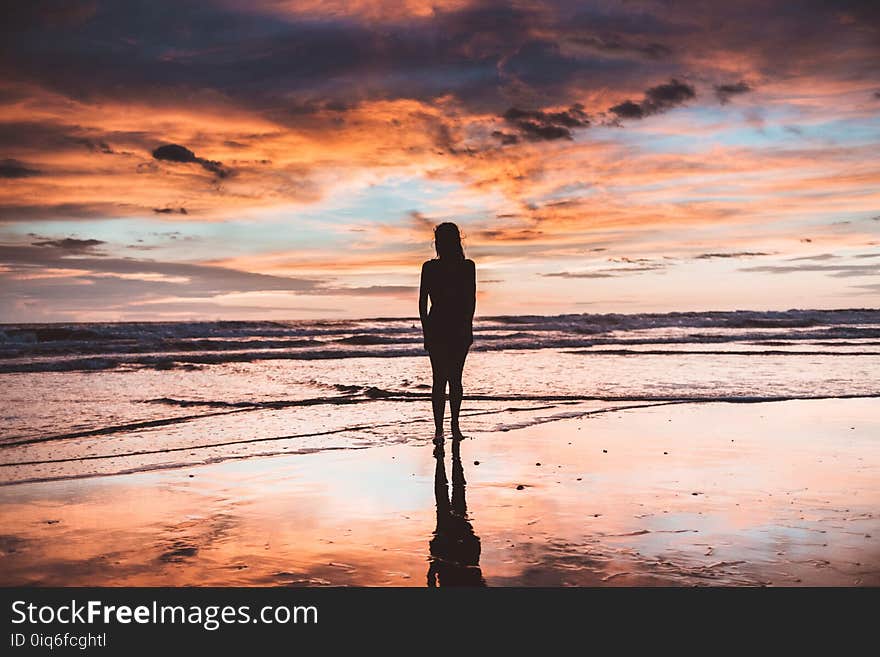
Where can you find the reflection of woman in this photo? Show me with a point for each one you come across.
(450, 282)
(455, 549)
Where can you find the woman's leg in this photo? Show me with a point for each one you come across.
(440, 368)
(456, 391)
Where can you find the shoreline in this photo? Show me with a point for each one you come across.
(594, 406)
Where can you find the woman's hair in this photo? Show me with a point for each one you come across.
(447, 241)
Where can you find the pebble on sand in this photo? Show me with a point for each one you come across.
(476, 463)
(520, 487)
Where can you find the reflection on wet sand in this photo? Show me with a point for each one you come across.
(690, 494)
(455, 548)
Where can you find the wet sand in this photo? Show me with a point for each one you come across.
(781, 493)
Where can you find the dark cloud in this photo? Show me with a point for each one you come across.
(174, 153)
(611, 272)
(70, 244)
(178, 153)
(486, 54)
(725, 91)
(258, 57)
(578, 274)
(628, 110)
(657, 99)
(15, 169)
(870, 287)
(66, 211)
(877, 94)
(837, 271)
(539, 125)
(630, 260)
(538, 132)
(96, 146)
(815, 258)
(292, 67)
(574, 117)
(170, 210)
(673, 93)
(505, 138)
(735, 254)
(634, 270)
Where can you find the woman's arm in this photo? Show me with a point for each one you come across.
(423, 303)
(471, 295)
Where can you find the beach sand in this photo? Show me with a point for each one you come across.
(780, 493)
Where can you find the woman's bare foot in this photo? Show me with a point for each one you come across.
(456, 433)
(438, 437)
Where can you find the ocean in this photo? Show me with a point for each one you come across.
(89, 399)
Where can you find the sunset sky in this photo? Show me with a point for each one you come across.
(286, 159)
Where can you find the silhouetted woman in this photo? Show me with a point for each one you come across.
(450, 282)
